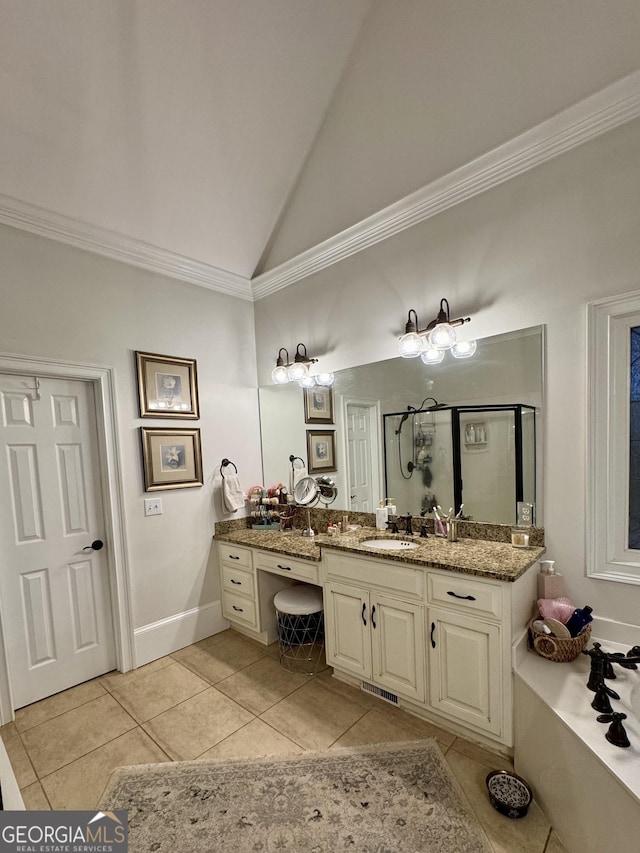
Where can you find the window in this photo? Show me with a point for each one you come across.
(613, 516)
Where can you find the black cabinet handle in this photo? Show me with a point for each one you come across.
(237, 583)
(239, 609)
(373, 616)
(466, 597)
(284, 568)
(433, 628)
(364, 610)
(232, 557)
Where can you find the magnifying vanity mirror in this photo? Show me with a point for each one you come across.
(483, 438)
(309, 491)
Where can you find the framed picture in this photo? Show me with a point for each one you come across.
(321, 451)
(172, 458)
(318, 405)
(167, 386)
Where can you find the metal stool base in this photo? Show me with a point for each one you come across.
(301, 642)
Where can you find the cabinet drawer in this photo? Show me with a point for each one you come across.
(381, 574)
(482, 598)
(235, 554)
(281, 564)
(237, 608)
(234, 580)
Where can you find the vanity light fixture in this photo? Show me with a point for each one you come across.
(298, 369)
(432, 342)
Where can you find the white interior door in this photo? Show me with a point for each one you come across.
(359, 450)
(56, 603)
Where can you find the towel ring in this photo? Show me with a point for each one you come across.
(293, 458)
(224, 464)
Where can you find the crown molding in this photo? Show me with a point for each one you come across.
(111, 244)
(605, 110)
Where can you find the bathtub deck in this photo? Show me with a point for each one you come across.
(588, 789)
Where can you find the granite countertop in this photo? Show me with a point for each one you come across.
(498, 560)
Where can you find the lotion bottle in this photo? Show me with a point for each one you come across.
(550, 582)
(382, 516)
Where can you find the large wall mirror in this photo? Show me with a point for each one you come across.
(387, 440)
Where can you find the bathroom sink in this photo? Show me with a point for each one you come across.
(389, 544)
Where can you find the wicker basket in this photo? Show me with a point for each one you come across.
(556, 648)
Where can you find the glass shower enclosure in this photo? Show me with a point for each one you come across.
(481, 456)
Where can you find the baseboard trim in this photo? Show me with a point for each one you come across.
(161, 638)
(11, 796)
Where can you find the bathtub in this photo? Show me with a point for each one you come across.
(588, 789)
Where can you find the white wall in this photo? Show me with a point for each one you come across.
(432, 84)
(532, 251)
(61, 303)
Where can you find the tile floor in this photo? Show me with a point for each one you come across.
(227, 696)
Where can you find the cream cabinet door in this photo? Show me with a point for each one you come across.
(347, 622)
(397, 644)
(465, 669)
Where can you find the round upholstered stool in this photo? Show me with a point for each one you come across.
(299, 614)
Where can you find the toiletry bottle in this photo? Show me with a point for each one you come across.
(391, 507)
(550, 582)
(382, 516)
(345, 523)
(580, 618)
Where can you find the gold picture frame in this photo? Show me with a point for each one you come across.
(172, 458)
(321, 451)
(167, 386)
(318, 405)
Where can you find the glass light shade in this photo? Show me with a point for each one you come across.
(307, 381)
(280, 375)
(432, 356)
(443, 336)
(325, 379)
(464, 349)
(298, 371)
(410, 345)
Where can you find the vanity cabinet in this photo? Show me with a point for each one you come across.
(374, 622)
(436, 642)
(376, 637)
(465, 618)
(250, 578)
(239, 592)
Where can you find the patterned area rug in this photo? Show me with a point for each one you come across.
(375, 799)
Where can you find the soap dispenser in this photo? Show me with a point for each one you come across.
(550, 582)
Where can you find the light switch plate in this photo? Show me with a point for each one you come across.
(526, 513)
(153, 506)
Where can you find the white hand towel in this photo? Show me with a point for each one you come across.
(232, 497)
(298, 471)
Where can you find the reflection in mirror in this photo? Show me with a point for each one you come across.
(506, 369)
(479, 457)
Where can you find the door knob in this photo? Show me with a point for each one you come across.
(96, 545)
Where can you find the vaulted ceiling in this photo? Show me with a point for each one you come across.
(223, 138)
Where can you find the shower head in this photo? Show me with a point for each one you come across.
(434, 405)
